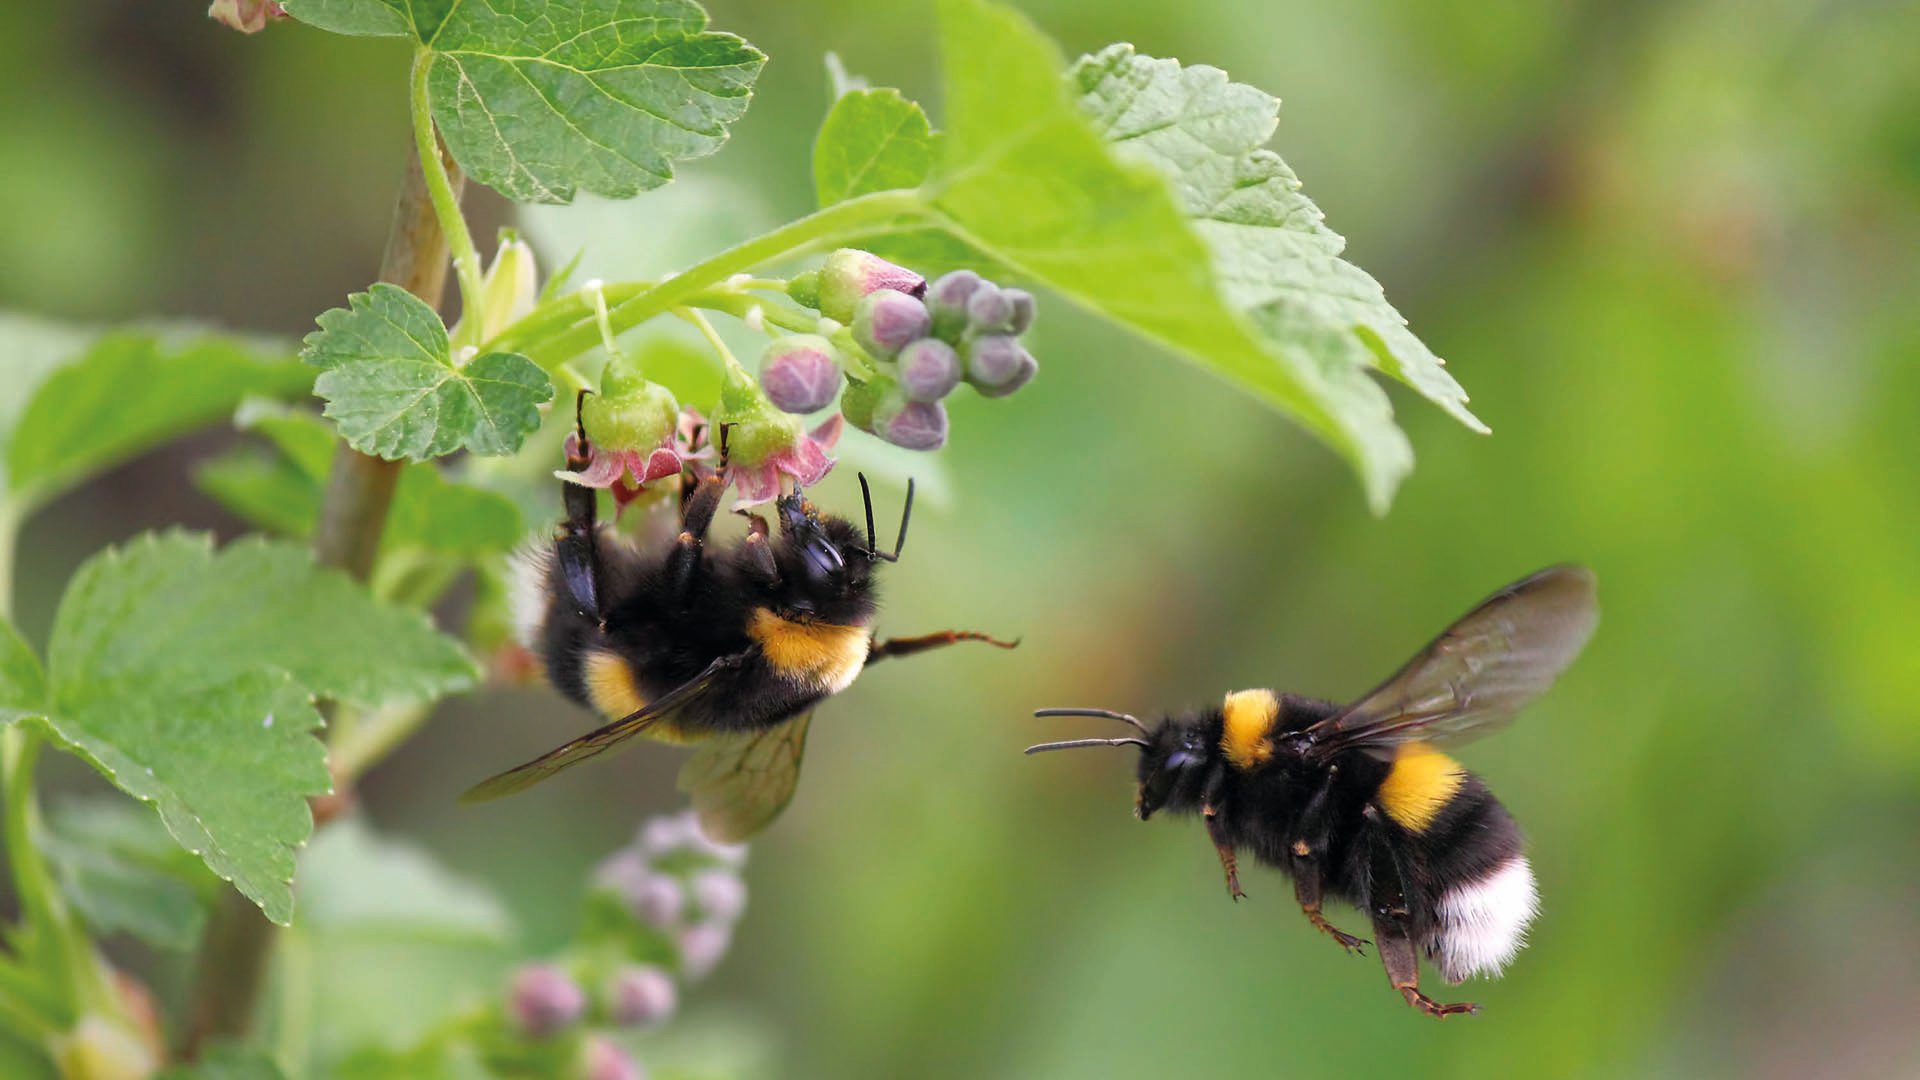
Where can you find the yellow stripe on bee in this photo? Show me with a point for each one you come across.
(613, 691)
(823, 655)
(1419, 785)
(1247, 737)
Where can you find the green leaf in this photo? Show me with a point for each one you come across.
(187, 677)
(539, 103)
(283, 494)
(872, 140)
(228, 1063)
(23, 687)
(76, 402)
(394, 390)
(358, 884)
(117, 864)
(1273, 254)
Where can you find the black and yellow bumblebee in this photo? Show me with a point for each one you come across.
(1356, 801)
(726, 649)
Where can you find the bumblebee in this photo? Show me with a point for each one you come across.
(1357, 802)
(728, 648)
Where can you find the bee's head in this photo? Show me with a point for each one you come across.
(1173, 757)
(1174, 765)
(826, 566)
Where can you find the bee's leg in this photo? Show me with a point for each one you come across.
(1223, 846)
(880, 650)
(759, 552)
(696, 516)
(1306, 861)
(574, 542)
(1391, 918)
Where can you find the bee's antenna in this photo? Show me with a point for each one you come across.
(906, 514)
(1072, 743)
(866, 498)
(1107, 714)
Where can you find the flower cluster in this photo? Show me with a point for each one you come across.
(920, 343)
(660, 915)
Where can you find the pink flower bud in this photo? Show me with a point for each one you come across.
(989, 310)
(702, 948)
(659, 901)
(998, 365)
(246, 16)
(800, 373)
(929, 369)
(545, 1000)
(641, 996)
(914, 425)
(602, 1060)
(719, 895)
(947, 300)
(1023, 308)
(886, 320)
(850, 274)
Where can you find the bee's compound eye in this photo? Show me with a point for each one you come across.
(1180, 759)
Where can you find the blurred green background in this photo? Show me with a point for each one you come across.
(1672, 250)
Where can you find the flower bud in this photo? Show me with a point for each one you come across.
(666, 833)
(929, 369)
(914, 425)
(629, 413)
(885, 320)
(849, 274)
(988, 310)
(947, 301)
(659, 900)
(804, 289)
(862, 398)
(1022, 302)
(719, 895)
(98, 1047)
(545, 1000)
(246, 16)
(756, 429)
(997, 365)
(702, 948)
(641, 996)
(601, 1059)
(800, 373)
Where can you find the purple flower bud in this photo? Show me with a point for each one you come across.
(915, 425)
(545, 1000)
(658, 900)
(800, 373)
(622, 872)
(997, 365)
(602, 1060)
(719, 895)
(702, 948)
(1022, 302)
(988, 310)
(929, 369)
(947, 300)
(886, 320)
(641, 996)
(850, 274)
(664, 834)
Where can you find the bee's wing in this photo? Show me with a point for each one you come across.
(1481, 671)
(741, 782)
(596, 742)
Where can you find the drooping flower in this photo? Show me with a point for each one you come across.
(804, 460)
(246, 16)
(509, 288)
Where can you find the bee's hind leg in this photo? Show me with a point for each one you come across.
(881, 650)
(1391, 918)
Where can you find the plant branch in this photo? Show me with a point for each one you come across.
(835, 223)
(445, 197)
(233, 959)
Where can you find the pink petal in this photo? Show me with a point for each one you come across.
(756, 485)
(658, 465)
(828, 433)
(806, 462)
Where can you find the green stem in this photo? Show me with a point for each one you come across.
(9, 536)
(446, 204)
(714, 342)
(739, 304)
(832, 224)
(372, 736)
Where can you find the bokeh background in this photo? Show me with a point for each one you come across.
(1672, 249)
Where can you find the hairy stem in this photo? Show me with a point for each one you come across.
(233, 958)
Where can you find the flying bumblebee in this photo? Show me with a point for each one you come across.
(729, 650)
(1356, 802)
